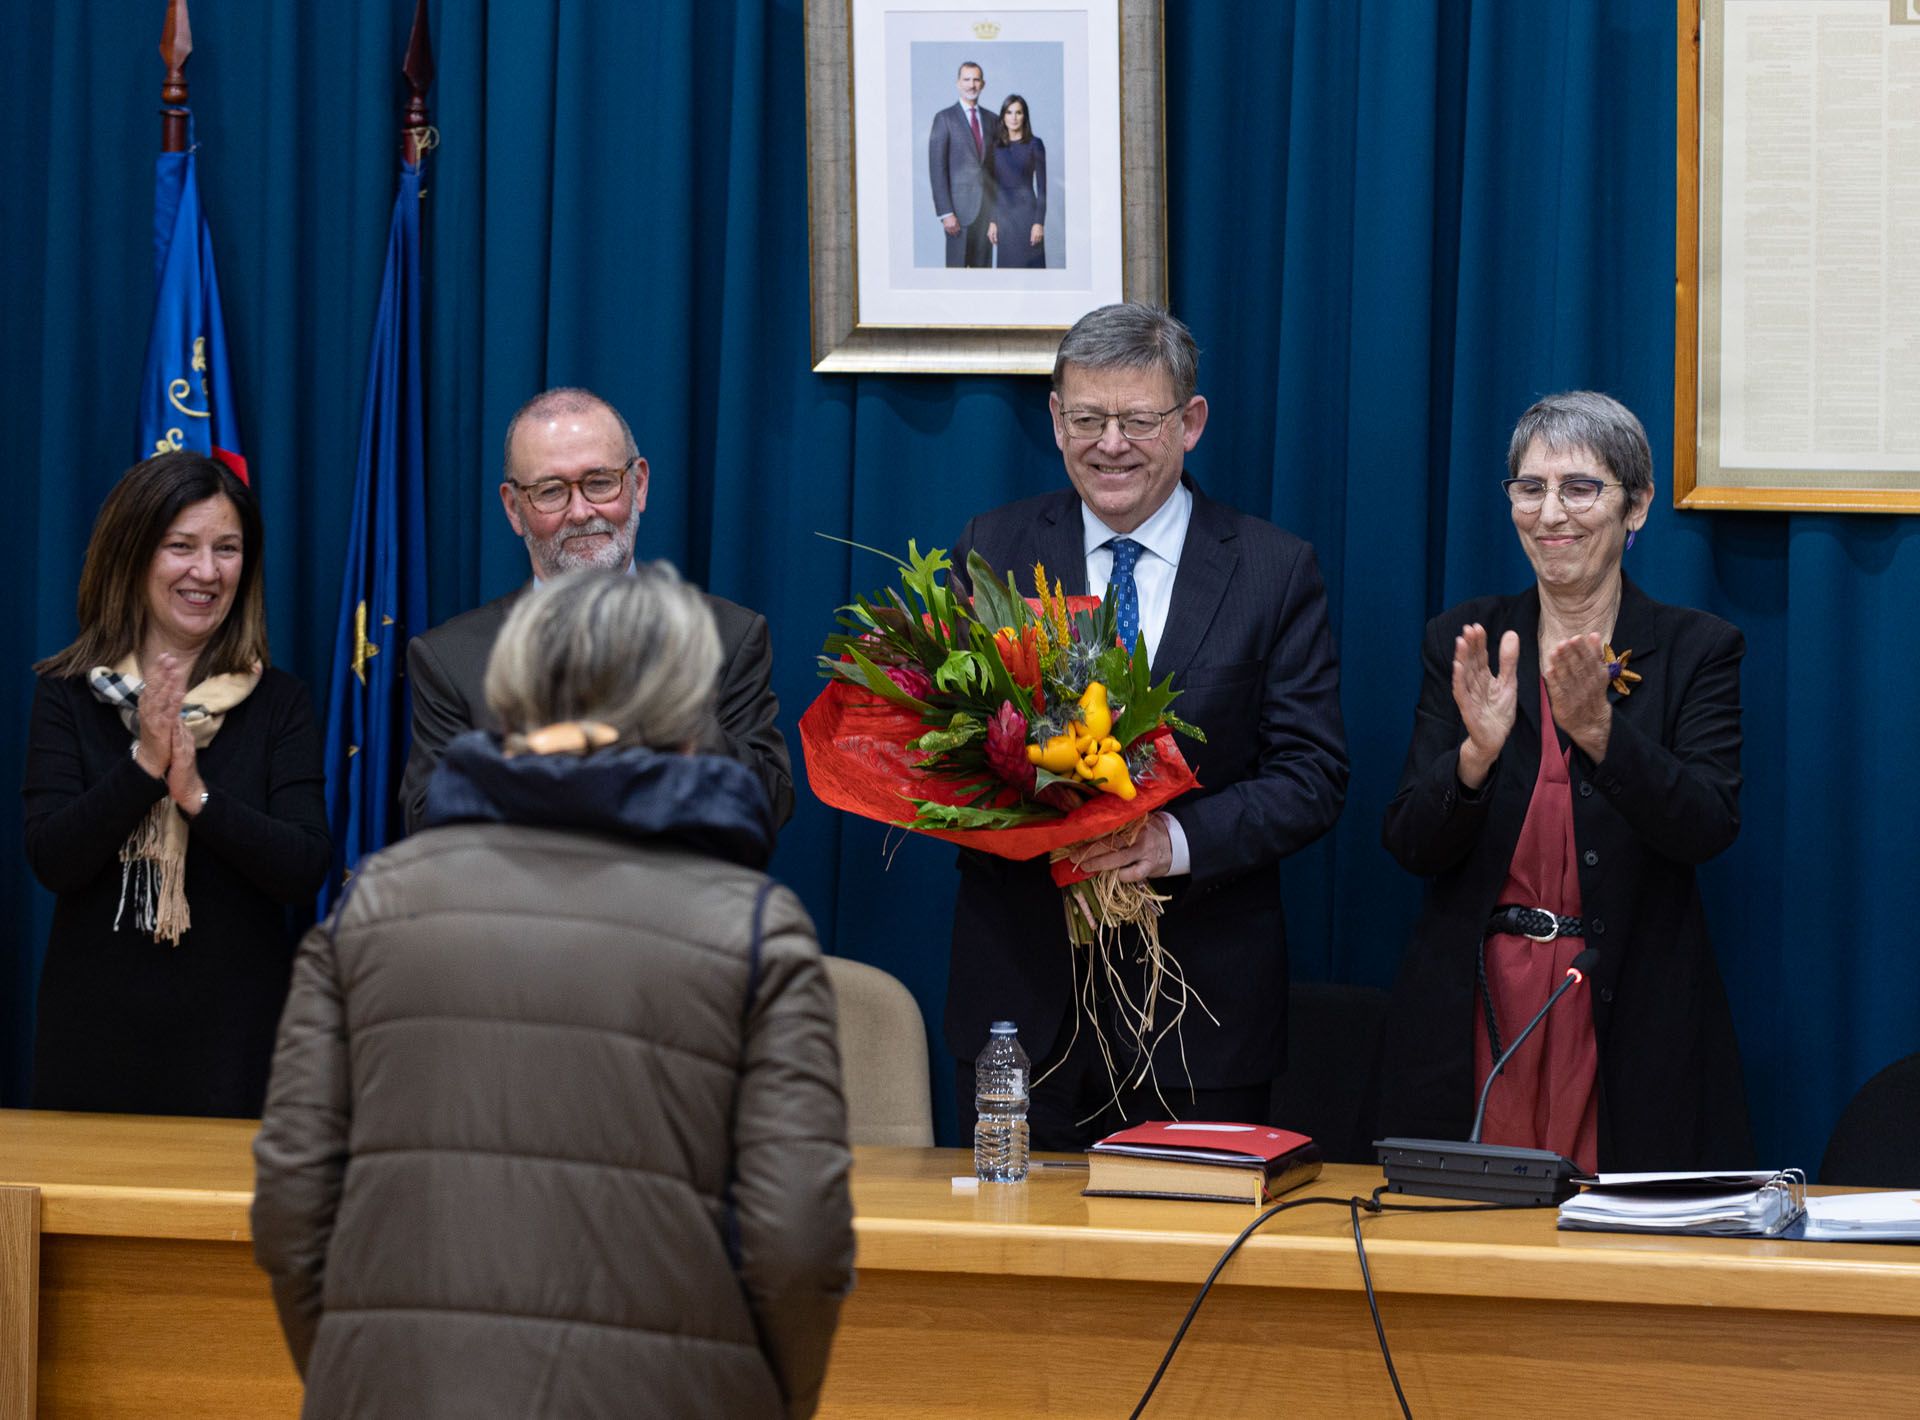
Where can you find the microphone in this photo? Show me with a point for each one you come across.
(1491, 1173)
(1577, 970)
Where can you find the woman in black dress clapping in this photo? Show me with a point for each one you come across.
(174, 803)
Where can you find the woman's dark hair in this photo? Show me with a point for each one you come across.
(1000, 139)
(128, 530)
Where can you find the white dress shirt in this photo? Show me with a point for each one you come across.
(1161, 538)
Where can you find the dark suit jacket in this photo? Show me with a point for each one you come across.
(957, 172)
(1247, 643)
(447, 667)
(1666, 798)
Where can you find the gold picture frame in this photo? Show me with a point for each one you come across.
(1708, 139)
(841, 340)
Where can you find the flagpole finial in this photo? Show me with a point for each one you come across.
(418, 69)
(176, 43)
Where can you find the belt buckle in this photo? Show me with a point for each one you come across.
(1553, 924)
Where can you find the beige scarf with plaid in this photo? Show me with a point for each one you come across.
(153, 860)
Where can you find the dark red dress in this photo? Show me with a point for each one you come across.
(1547, 1097)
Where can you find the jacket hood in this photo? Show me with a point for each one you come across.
(700, 801)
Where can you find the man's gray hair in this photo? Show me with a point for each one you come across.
(636, 650)
(563, 399)
(1132, 336)
(1595, 422)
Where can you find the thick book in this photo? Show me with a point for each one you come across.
(1738, 1204)
(1204, 1162)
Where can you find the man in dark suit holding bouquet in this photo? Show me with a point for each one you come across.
(1234, 608)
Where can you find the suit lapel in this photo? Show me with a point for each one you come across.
(1061, 546)
(1526, 622)
(1207, 563)
(1634, 630)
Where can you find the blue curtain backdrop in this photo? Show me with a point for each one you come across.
(1392, 225)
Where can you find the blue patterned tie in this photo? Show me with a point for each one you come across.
(1126, 595)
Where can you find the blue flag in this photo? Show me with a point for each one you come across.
(383, 597)
(186, 392)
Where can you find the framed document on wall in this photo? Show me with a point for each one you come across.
(1797, 313)
(979, 178)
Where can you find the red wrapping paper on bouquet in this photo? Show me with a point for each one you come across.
(857, 759)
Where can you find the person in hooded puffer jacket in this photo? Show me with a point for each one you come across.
(555, 1124)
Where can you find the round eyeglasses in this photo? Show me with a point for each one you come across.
(598, 486)
(1137, 425)
(1577, 495)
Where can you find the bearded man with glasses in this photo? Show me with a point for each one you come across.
(573, 490)
(1576, 752)
(1233, 608)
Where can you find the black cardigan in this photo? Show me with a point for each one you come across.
(130, 1024)
(1665, 799)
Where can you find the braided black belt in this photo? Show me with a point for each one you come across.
(1534, 922)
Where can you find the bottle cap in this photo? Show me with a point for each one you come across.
(1002, 1028)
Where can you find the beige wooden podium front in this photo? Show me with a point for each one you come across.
(1027, 1299)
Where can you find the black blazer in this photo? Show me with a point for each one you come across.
(1248, 646)
(1667, 797)
(447, 667)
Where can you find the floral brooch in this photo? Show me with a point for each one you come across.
(1622, 679)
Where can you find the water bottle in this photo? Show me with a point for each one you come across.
(1000, 1104)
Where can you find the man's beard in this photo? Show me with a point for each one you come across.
(553, 555)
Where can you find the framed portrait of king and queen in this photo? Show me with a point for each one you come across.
(979, 179)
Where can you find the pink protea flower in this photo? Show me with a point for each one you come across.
(1007, 748)
(911, 679)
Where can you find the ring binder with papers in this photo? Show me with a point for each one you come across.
(1735, 1205)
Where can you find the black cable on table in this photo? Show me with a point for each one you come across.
(1373, 1305)
(1207, 1286)
(1354, 1205)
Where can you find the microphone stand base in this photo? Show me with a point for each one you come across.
(1481, 1173)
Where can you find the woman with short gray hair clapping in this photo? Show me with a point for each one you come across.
(1575, 755)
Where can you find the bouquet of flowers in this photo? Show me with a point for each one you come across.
(1017, 726)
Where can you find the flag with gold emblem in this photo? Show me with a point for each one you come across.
(383, 596)
(186, 392)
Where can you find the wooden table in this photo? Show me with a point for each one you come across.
(149, 1304)
(1070, 1302)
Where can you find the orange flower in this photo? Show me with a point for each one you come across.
(1021, 656)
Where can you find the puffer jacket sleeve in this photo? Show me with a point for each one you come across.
(300, 1154)
(790, 1146)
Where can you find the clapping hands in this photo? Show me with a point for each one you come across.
(1575, 671)
(1487, 702)
(161, 697)
(1576, 676)
(184, 784)
(166, 747)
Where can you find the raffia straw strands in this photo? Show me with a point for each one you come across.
(1099, 912)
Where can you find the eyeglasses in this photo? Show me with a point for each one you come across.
(1577, 495)
(1135, 424)
(598, 486)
